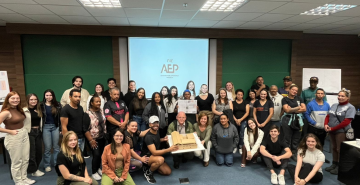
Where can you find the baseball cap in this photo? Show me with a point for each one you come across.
(314, 78)
(287, 78)
(153, 119)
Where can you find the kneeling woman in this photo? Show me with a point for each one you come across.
(116, 162)
(253, 137)
(309, 162)
(203, 131)
(70, 164)
(224, 138)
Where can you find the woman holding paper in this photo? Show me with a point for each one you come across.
(203, 130)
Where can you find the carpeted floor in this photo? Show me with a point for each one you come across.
(252, 174)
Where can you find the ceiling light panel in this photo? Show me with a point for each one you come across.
(222, 5)
(328, 9)
(101, 3)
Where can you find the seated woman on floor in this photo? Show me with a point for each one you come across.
(70, 164)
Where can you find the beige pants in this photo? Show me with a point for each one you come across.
(204, 153)
(18, 147)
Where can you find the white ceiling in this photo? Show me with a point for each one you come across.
(256, 14)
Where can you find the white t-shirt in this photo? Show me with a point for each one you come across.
(312, 157)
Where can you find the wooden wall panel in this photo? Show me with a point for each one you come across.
(116, 59)
(7, 57)
(219, 63)
(329, 51)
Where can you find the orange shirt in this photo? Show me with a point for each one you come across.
(108, 161)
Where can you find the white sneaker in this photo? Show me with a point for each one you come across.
(234, 150)
(38, 173)
(281, 179)
(21, 183)
(96, 176)
(28, 181)
(99, 172)
(274, 178)
(240, 151)
(48, 169)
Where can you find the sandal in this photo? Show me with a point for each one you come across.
(242, 165)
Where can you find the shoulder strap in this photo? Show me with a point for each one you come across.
(336, 113)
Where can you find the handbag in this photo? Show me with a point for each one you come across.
(349, 132)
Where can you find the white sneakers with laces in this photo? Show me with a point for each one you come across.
(48, 169)
(99, 172)
(28, 181)
(96, 176)
(274, 178)
(281, 179)
(38, 173)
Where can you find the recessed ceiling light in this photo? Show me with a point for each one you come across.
(222, 5)
(101, 3)
(328, 9)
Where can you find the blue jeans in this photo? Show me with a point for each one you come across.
(51, 140)
(221, 158)
(241, 130)
(141, 126)
(141, 123)
(81, 143)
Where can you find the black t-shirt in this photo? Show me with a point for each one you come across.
(75, 119)
(239, 110)
(274, 148)
(205, 104)
(150, 139)
(35, 119)
(297, 101)
(132, 140)
(262, 112)
(117, 110)
(256, 87)
(73, 166)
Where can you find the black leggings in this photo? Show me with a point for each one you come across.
(36, 143)
(304, 172)
(97, 153)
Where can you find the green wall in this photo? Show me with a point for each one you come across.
(245, 59)
(50, 62)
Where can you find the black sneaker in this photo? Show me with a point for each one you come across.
(332, 167)
(327, 161)
(149, 177)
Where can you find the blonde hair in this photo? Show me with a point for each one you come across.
(66, 150)
(346, 91)
(232, 91)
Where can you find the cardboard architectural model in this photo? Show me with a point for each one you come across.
(184, 141)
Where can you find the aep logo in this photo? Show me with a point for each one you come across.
(169, 68)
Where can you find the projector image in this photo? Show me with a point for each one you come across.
(184, 142)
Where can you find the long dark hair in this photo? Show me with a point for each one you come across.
(248, 97)
(139, 104)
(187, 87)
(37, 107)
(102, 90)
(267, 94)
(154, 110)
(170, 97)
(255, 131)
(219, 97)
(113, 144)
(303, 147)
(167, 88)
(54, 103)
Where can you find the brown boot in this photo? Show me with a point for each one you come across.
(206, 164)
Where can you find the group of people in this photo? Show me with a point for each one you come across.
(128, 132)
